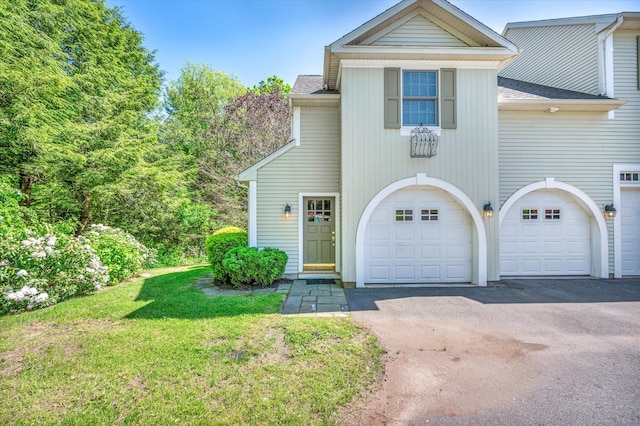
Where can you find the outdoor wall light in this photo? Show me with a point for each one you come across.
(487, 211)
(287, 210)
(610, 211)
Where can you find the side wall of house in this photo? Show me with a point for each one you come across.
(314, 166)
(374, 157)
(562, 56)
(576, 148)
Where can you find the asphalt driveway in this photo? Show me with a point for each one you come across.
(522, 352)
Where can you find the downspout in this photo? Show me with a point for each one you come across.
(607, 83)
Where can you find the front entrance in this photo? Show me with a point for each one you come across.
(319, 234)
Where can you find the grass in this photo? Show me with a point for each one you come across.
(157, 351)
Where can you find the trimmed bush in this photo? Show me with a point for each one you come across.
(250, 266)
(219, 243)
(119, 251)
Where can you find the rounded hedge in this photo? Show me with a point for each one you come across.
(219, 243)
(250, 266)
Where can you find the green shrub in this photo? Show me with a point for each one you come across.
(39, 271)
(250, 266)
(219, 243)
(119, 251)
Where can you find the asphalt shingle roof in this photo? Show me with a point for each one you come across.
(309, 85)
(516, 89)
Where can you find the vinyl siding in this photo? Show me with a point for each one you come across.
(576, 148)
(419, 31)
(311, 167)
(562, 56)
(373, 158)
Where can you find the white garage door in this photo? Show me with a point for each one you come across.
(418, 235)
(546, 232)
(630, 221)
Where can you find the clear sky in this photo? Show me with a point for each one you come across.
(255, 39)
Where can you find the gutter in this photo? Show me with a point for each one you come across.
(606, 88)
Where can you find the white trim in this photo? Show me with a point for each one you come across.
(479, 273)
(473, 23)
(608, 70)
(580, 20)
(296, 125)
(573, 105)
(250, 173)
(602, 267)
(253, 213)
(617, 221)
(301, 221)
(418, 64)
(431, 18)
(427, 50)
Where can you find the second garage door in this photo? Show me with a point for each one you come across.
(545, 233)
(418, 235)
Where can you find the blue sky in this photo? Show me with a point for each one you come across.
(255, 39)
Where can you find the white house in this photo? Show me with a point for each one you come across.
(434, 150)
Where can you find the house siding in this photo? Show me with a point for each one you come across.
(373, 158)
(419, 31)
(561, 56)
(314, 166)
(576, 148)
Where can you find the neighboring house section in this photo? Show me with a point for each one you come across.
(550, 137)
(409, 138)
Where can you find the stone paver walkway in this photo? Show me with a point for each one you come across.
(307, 298)
(316, 298)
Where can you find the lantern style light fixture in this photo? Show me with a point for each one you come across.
(487, 211)
(287, 210)
(610, 211)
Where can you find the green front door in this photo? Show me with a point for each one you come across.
(319, 234)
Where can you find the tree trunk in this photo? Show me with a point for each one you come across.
(26, 185)
(85, 213)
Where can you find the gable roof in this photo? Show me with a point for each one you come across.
(476, 41)
(516, 95)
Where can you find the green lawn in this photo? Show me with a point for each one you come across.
(157, 351)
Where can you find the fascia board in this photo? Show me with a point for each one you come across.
(371, 24)
(574, 105)
(421, 50)
(579, 20)
(251, 173)
(320, 98)
(479, 26)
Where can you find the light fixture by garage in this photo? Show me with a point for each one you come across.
(487, 211)
(610, 211)
(287, 210)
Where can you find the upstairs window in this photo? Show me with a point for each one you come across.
(412, 98)
(420, 98)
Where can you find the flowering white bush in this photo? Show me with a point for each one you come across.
(120, 251)
(39, 271)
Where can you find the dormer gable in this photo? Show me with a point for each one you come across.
(418, 30)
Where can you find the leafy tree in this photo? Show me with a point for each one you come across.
(76, 86)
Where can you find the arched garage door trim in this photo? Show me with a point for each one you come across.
(601, 264)
(479, 271)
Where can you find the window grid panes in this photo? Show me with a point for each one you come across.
(429, 214)
(319, 211)
(529, 214)
(629, 177)
(552, 214)
(419, 98)
(404, 215)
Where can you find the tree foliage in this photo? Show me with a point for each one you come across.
(83, 138)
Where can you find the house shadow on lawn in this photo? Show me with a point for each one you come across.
(510, 291)
(173, 295)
